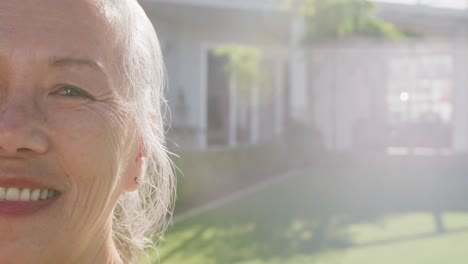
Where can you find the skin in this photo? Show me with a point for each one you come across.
(62, 123)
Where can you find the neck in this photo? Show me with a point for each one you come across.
(101, 250)
(107, 253)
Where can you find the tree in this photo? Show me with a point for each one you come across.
(243, 62)
(330, 20)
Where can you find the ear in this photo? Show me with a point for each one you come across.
(136, 169)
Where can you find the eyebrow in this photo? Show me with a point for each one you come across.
(69, 61)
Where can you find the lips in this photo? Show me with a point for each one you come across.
(24, 197)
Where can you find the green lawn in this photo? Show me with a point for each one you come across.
(351, 215)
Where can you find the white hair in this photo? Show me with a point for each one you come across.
(141, 217)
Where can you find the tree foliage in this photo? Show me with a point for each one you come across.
(243, 61)
(340, 19)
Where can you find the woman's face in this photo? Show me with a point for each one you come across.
(62, 128)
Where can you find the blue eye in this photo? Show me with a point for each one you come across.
(72, 91)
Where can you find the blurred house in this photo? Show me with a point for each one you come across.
(361, 95)
(206, 107)
(396, 95)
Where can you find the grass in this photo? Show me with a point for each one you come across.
(352, 214)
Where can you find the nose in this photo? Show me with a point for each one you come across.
(22, 129)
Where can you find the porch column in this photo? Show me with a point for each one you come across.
(460, 95)
(279, 94)
(298, 98)
(232, 110)
(201, 139)
(254, 114)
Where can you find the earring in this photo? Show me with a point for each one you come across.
(137, 180)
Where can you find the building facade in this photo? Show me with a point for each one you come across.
(360, 95)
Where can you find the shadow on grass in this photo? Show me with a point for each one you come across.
(327, 209)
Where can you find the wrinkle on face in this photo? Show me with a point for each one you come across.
(91, 141)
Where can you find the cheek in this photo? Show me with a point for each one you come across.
(87, 145)
(84, 140)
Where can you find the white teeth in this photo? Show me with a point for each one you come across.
(44, 194)
(35, 194)
(12, 194)
(26, 194)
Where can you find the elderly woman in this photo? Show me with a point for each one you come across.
(84, 175)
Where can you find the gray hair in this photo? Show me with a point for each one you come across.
(141, 217)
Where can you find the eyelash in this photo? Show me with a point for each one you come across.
(72, 91)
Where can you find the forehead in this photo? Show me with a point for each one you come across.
(56, 28)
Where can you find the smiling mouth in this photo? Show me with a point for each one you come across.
(22, 202)
(15, 194)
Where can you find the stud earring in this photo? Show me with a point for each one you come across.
(137, 180)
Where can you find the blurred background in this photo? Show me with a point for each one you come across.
(317, 131)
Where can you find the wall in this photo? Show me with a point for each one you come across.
(187, 34)
(348, 88)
